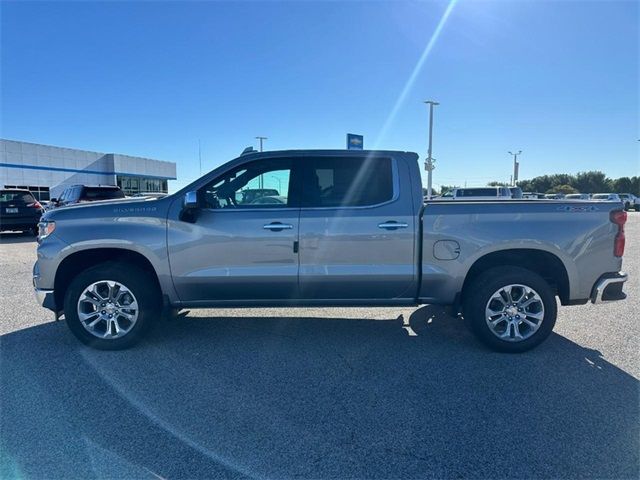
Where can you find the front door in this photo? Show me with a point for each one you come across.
(241, 242)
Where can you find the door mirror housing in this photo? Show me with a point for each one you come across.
(190, 200)
(189, 212)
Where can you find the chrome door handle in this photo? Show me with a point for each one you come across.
(392, 225)
(277, 226)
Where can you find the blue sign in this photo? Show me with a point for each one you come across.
(354, 142)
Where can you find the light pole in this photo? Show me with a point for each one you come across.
(429, 163)
(516, 166)
(261, 140)
(279, 183)
(261, 180)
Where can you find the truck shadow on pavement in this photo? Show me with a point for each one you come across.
(312, 397)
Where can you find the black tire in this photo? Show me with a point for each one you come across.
(478, 293)
(137, 281)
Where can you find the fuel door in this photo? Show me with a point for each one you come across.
(446, 250)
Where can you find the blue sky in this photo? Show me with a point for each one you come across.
(558, 80)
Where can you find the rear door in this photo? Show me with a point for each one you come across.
(357, 230)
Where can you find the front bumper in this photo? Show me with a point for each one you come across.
(608, 288)
(45, 298)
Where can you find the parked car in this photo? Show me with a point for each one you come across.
(516, 192)
(609, 197)
(87, 193)
(19, 211)
(271, 200)
(353, 231)
(630, 201)
(251, 194)
(481, 193)
(577, 196)
(533, 195)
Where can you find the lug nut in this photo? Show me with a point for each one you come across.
(103, 312)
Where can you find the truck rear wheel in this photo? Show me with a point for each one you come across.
(111, 306)
(510, 309)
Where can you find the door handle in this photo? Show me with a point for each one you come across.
(392, 225)
(277, 226)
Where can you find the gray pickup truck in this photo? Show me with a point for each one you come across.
(325, 228)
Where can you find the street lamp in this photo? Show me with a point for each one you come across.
(516, 166)
(279, 183)
(429, 163)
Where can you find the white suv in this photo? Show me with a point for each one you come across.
(482, 193)
(630, 201)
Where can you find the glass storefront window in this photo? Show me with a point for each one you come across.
(132, 185)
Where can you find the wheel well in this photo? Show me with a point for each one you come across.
(545, 264)
(80, 261)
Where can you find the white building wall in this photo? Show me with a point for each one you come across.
(30, 164)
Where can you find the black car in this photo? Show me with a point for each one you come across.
(19, 211)
(87, 193)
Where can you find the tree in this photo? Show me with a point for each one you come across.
(592, 182)
(564, 189)
(446, 188)
(496, 183)
(623, 185)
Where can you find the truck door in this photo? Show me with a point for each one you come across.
(241, 242)
(357, 230)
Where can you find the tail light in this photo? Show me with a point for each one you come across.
(35, 204)
(619, 217)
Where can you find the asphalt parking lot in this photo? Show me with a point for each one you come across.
(318, 393)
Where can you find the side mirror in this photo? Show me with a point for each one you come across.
(54, 200)
(190, 206)
(190, 200)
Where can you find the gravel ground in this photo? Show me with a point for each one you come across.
(335, 392)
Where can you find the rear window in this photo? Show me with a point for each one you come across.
(17, 198)
(100, 193)
(478, 192)
(602, 196)
(348, 182)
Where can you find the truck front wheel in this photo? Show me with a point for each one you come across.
(111, 306)
(510, 309)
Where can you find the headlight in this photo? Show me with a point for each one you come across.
(45, 229)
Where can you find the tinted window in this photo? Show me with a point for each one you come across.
(478, 192)
(261, 184)
(347, 182)
(17, 198)
(101, 193)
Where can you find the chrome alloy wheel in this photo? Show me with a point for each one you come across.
(107, 309)
(514, 313)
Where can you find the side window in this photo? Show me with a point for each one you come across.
(259, 184)
(348, 182)
(75, 193)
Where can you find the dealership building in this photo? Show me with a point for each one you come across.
(47, 170)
